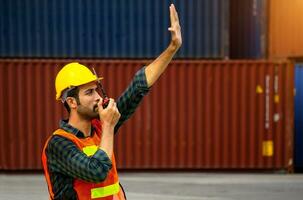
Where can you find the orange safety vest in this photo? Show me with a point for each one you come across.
(109, 189)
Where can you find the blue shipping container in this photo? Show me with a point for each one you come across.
(299, 116)
(248, 29)
(111, 29)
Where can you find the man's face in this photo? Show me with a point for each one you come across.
(89, 98)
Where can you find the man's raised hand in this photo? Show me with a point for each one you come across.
(175, 29)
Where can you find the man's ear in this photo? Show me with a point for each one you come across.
(72, 102)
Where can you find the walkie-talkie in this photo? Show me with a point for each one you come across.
(101, 91)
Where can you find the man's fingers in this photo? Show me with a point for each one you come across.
(117, 113)
(176, 16)
(174, 12)
(111, 103)
(171, 15)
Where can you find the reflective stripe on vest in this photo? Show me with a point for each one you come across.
(101, 191)
(90, 150)
(105, 191)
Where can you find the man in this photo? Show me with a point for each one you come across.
(78, 159)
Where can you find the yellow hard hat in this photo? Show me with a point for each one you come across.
(73, 74)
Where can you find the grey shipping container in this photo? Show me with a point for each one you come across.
(111, 29)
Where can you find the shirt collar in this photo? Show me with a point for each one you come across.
(69, 128)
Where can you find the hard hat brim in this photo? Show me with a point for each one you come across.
(98, 79)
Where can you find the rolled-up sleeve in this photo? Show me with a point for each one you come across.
(64, 157)
(132, 96)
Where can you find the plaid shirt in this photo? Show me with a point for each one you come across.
(66, 162)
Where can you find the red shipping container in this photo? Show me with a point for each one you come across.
(200, 114)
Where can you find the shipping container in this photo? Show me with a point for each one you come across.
(299, 116)
(248, 29)
(285, 29)
(111, 29)
(199, 115)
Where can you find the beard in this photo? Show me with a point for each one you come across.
(88, 113)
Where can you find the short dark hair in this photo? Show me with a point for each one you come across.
(72, 93)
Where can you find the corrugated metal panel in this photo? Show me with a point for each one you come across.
(285, 29)
(201, 114)
(248, 29)
(111, 29)
(299, 116)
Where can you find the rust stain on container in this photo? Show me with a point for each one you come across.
(285, 28)
(200, 115)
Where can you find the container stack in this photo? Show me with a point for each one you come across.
(223, 103)
(285, 42)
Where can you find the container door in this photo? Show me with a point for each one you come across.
(299, 116)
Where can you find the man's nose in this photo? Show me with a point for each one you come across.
(98, 97)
